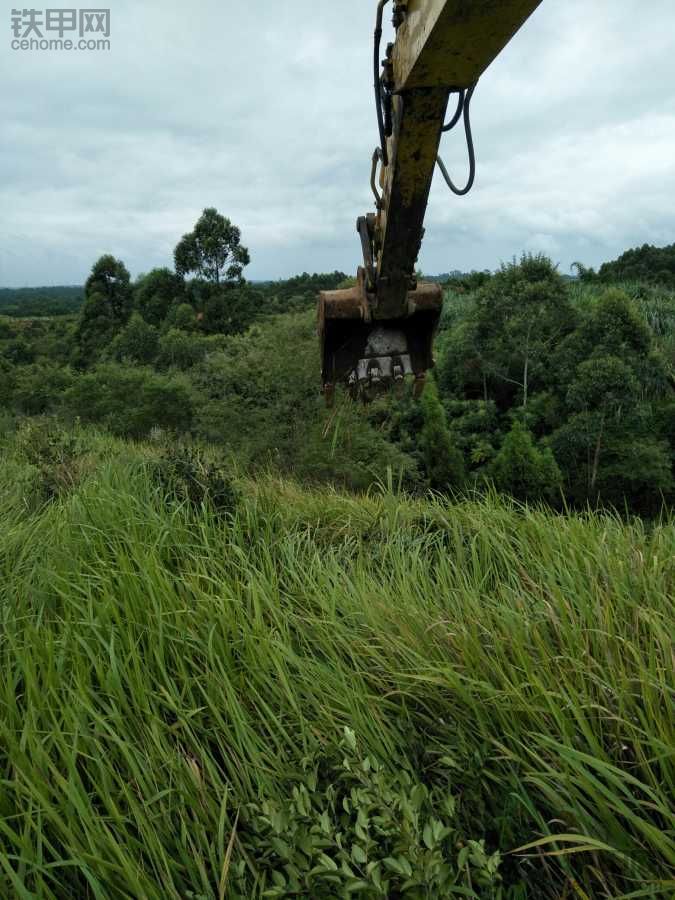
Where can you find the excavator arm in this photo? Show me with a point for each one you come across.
(376, 333)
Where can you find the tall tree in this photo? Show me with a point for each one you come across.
(107, 307)
(212, 251)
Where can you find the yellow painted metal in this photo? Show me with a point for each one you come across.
(450, 43)
(441, 45)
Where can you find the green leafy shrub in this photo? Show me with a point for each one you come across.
(58, 458)
(353, 827)
(138, 342)
(130, 400)
(444, 463)
(524, 470)
(184, 474)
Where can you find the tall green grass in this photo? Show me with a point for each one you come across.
(164, 672)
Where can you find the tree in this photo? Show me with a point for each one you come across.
(602, 393)
(7, 383)
(110, 280)
(182, 317)
(646, 263)
(502, 350)
(212, 250)
(444, 463)
(156, 293)
(229, 311)
(18, 352)
(107, 307)
(523, 470)
(607, 434)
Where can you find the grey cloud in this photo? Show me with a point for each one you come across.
(264, 110)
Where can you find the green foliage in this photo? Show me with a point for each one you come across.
(443, 462)
(212, 251)
(180, 349)
(57, 457)
(185, 474)
(466, 282)
(614, 461)
(604, 384)
(259, 399)
(647, 263)
(40, 388)
(353, 827)
(175, 685)
(131, 401)
(110, 281)
(107, 308)
(138, 342)
(611, 328)
(40, 301)
(300, 293)
(476, 428)
(183, 317)
(18, 352)
(589, 370)
(521, 314)
(523, 470)
(226, 309)
(156, 293)
(7, 383)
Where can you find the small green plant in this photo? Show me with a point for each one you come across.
(185, 474)
(58, 458)
(353, 827)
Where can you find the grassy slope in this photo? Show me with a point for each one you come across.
(159, 670)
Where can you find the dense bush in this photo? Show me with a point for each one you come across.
(131, 401)
(57, 459)
(524, 470)
(185, 474)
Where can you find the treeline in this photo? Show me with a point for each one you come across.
(646, 264)
(41, 301)
(553, 391)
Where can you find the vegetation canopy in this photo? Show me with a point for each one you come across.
(251, 647)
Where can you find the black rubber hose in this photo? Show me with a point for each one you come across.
(472, 154)
(458, 112)
(378, 85)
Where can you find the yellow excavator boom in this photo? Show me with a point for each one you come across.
(376, 333)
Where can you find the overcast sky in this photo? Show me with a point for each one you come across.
(263, 109)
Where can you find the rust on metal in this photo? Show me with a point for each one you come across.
(418, 119)
(353, 344)
(450, 43)
(382, 330)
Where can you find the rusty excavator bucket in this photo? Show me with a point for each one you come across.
(369, 355)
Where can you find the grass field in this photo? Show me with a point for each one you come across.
(329, 696)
